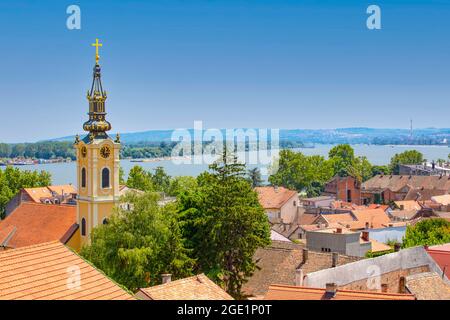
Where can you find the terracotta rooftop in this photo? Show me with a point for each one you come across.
(376, 218)
(38, 223)
(46, 192)
(428, 286)
(379, 246)
(198, 287)
(441, 254)
(42, 272)
(307, 218)
(274, 197)
(278, 263)
(408, 205)
(342, 218)
(397, 182)
(443, 199)
(423, 194)
(282, 292)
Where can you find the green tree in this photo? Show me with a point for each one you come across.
(161, 180)
(343, 157)
(139, 179)
(406, 157)
(376, 170)
(13, 179)
(427, 232)
(136, 246)
(302, 173)
(361, 169)
(225, 224)
(254, 176)
(121, 176)
(181, 184)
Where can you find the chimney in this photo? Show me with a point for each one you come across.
(305, 255)
(330, 289)
(402, 285)
(397, 247)
(365, 235)
(334, 259)
(275, 188)
(299, 277)
(166, 278)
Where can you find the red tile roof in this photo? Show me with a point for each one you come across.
(198, 287)
(36, 194)
(376, 218)
(282, 292)
(38, 223)
(441, 254)
(274, 197)
(44, 271)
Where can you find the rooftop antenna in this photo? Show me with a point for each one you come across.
(411, 129)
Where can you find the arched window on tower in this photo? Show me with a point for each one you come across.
(83, 178)
(105, 178)
(83, 227)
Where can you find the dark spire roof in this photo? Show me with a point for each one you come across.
(97, 124)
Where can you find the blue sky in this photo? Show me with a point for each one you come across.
(231, 64)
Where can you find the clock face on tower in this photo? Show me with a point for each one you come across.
(105, 152)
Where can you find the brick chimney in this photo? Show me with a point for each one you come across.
(299, 277)
(305, 255)
(365, 235)
(166, 278)
(330, 289)
(402, 285)
(334, 259)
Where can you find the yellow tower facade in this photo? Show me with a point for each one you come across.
(98, 163)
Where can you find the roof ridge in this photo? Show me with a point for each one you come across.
(18, 250)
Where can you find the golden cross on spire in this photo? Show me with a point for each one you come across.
(96, 45)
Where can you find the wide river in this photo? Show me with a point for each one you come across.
(64, 173)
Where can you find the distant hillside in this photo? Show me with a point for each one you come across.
(426, 136)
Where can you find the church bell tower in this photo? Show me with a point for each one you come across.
(97, 162)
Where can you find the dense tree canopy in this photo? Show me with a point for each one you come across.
(224, 224)
(13, 179)
(136, 246)
(406, 157)
(427, 232)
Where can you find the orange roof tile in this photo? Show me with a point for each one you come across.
(441, 254)
(198, 287)
(66, 189)
(408, 205)
(282, 292)
(44, 271)
(36, 194)
(376, 218)
(342, 218)
(38, 223)
(379, 246)
(274, 198)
